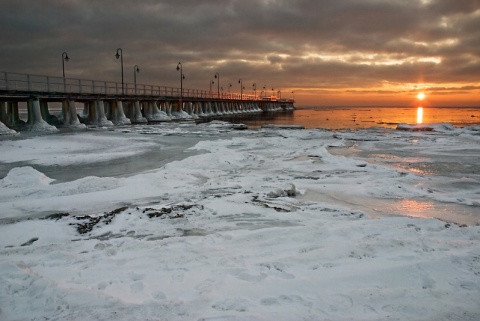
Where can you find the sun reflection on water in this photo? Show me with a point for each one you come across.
(415, 208)
(420, 115)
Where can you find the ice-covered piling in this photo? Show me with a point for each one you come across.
(10, 116)
(69, 114)
(96, 114)
(178, 112)
(137, 116)
(116, 113)
(4, 130)
(35, 121)
(152, 113)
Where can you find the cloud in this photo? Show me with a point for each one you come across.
(307, 44)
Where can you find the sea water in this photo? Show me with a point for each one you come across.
(335, 118)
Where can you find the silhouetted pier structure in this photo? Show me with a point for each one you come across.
(104, 104)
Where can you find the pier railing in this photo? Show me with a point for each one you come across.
(27, 83)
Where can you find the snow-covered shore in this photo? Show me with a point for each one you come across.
(271, 224)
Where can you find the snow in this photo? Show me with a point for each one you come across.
(272, 224)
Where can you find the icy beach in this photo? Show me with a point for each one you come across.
(186, 222)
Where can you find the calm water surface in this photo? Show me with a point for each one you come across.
(364, 117)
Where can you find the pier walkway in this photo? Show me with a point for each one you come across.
(105, 103)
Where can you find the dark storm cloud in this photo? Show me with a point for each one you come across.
(281, 43)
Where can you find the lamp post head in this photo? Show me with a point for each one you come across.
(178, 68)
(66, 58)
(119, 53)
(217, 75)
(136, 68)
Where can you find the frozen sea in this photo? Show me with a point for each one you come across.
(203, 222)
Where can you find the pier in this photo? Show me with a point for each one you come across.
(103, 103)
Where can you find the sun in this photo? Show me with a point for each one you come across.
(421, 96)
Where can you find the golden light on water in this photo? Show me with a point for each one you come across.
(420, 115)
(415, 208)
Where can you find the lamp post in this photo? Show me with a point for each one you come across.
(272, 93)
(211, 83)
(64, 58)
(241, 88)
(279, 94)
(182, 77)
(135, 70)
(293, 96)
(255, 90)
(217, 75)
(119, 54)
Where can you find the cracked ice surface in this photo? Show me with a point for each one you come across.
(251, 225)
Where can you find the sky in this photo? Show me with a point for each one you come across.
(321, 53)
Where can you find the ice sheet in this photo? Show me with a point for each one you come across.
(253, 225)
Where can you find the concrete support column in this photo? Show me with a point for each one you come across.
(69, 114)
(117, 115)
(199, 109)
(216, 108)
(125, 109)
(3, 112)
(153, 113)
(163, 106)
(35, 121)
(168, 108)
(4, 130)
(211, 109)
(49, 118)
(175, 107)
(100, 114)
(208, 108)
(146, 109)
(203, 108)
(96, 114)
(85, 111)
(191, 110)
(137, 116)
(179, 113)
(13, 117)
(90, 113)
(236, 108)
(158, 113)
